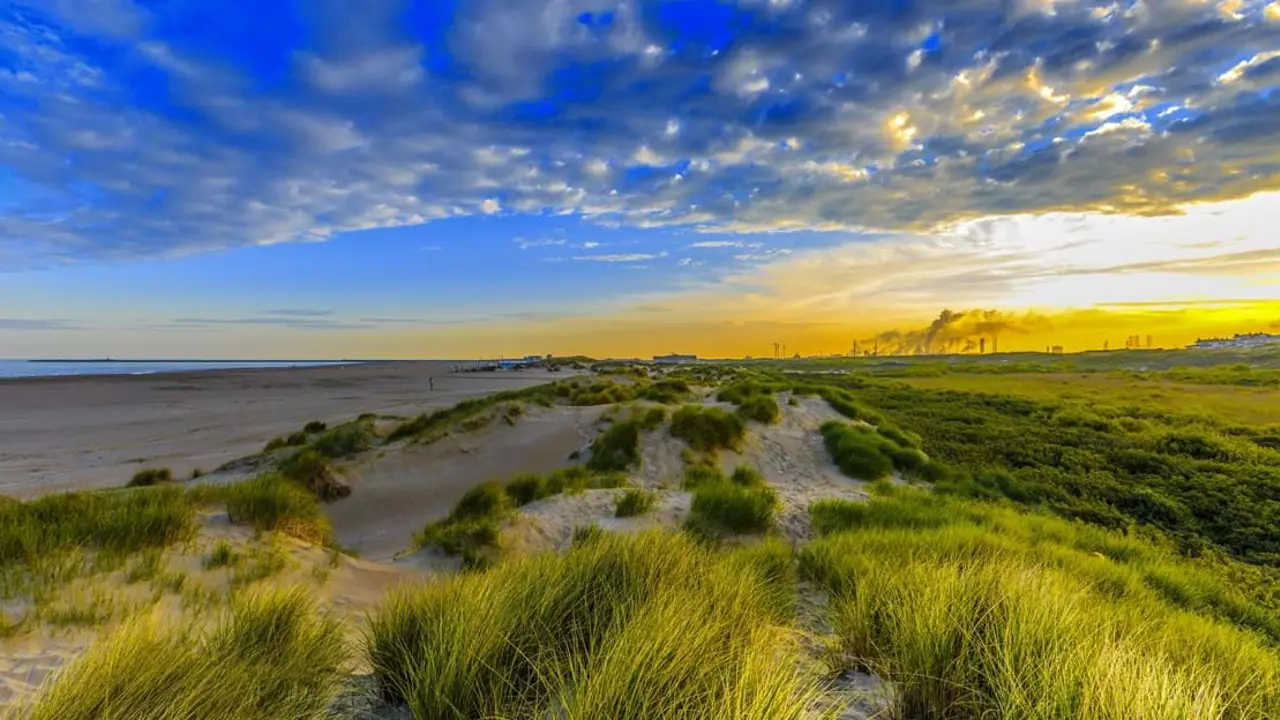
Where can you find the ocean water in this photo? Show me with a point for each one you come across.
(38, 368)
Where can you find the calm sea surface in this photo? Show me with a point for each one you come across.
(29, 368)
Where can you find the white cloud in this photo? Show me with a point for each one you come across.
(524, 244)
(620, 258)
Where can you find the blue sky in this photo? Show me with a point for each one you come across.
(419, 178)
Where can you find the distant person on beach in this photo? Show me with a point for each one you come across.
(431, 383)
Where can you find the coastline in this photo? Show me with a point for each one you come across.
(75, 432)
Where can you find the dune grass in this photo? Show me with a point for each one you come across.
(650, 626)
(51, 535)
(618, 447)
(473, 527)
(151, 476)
(634, 502)
(973, 610)
(273, 502)
(707, 429)
(273, 656)
(867, 453)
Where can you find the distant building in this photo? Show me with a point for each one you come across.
(675, 359)
(1246, 340)
(1056, 350)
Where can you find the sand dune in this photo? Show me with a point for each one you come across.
(395, 492)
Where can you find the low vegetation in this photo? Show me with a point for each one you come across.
(273, 656)
(634, 502)
(1004, 614)
(473, 528)
(707, 429)
(273, 502)
(867, 453)
(618, 627)
(50, 534)
(151, 476)
(728, 505)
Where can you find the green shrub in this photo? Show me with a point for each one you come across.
(473, 525)
(273, 502)
(275, 443)
(274, 657)
(151, 476)
(634, 502)
(650, 626)
(732, 508)
(313, 427)
(860, 452)
(296, 438)
(707, 428)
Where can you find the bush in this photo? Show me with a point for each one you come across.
(274, 657)
(650, 626)
(313, 427)
(733, 508)
(707, 429)
(859, 452)
(634, 502)
(273, 502)
(526, 488)
(760, 408)
(150, 476)
(653, 418)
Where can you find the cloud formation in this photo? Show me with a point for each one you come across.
(165, 129)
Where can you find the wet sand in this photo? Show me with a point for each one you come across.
(68, 433)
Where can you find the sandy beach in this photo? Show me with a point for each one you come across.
(69, 433)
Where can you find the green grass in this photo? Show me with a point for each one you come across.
(731, 508)
(431, 426)
(865, 453)
(151, 476)
(634, 502)
(971, 610)
(273, 502)
(1208, 483)
(343, 440)
(707, 429)
(1252, 406)
(473, 527)
(309, 468)
(52, 531)
(625, 628)
(617, 448)
(222, 555)
(313, 427)
(272, 657)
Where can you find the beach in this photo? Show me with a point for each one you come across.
(70, 433)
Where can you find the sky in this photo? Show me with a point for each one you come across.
(463, 178)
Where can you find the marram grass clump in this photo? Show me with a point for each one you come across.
(273, 656)
(649, 626)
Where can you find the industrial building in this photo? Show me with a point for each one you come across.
(1246, 340)
(674, 359)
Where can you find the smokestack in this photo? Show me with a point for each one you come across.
(982, 346)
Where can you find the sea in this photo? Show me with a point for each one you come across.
(56, 368)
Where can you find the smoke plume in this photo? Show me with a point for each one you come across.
(955, 332)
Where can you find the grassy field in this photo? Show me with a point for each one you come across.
(1073, 545)
(1231, 403)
